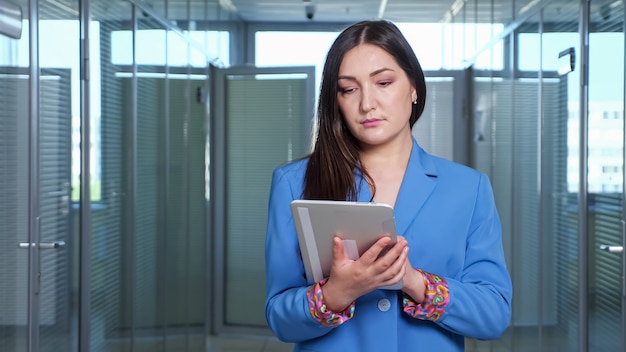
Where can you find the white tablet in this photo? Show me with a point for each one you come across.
(359, 224)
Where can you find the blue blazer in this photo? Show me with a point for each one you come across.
(447, 213)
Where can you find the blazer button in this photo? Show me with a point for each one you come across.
(384, 305)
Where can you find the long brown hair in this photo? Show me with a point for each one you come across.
(330, 174)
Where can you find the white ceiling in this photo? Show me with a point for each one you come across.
(338, 11)
(341, 10)
(347, 11)
(417, 11)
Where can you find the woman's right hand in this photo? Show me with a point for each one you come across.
(377, 267)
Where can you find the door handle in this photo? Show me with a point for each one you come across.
(617, 250)
(612, 249)
(45, 245)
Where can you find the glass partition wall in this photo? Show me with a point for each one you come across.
(151, 247)
(39, 102)
(58, 111)
(549, 131)
(16, 94)
(605, 177)
(103, 168)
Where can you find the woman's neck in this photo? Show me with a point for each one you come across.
(386, 168)
(390, 155)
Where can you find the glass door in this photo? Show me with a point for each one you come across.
(37, 310)
(260, 118)
(35, 225)
(59, 96)
(14, 171)
(605, 177)
(57, 313)
(14, 207)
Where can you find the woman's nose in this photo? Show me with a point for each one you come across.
(368, 99)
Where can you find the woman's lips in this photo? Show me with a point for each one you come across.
(371, 123)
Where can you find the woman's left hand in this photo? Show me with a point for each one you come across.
(413, 281)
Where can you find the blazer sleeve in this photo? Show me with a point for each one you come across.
(480, 300)
(286, 305)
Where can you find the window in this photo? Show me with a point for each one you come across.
(151, 51)
(449, 45)
(305, 49)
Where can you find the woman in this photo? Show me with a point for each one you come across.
(449, 257)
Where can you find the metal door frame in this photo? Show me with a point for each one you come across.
(217, 130)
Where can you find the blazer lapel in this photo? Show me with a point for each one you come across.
(364, 192)
(419, 181)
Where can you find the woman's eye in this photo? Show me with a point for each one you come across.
(347, 90)
(384, 83)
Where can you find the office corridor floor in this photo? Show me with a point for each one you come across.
(526, 340)
(231, 344)
(194, 344)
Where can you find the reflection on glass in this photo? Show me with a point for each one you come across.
(605, 176)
